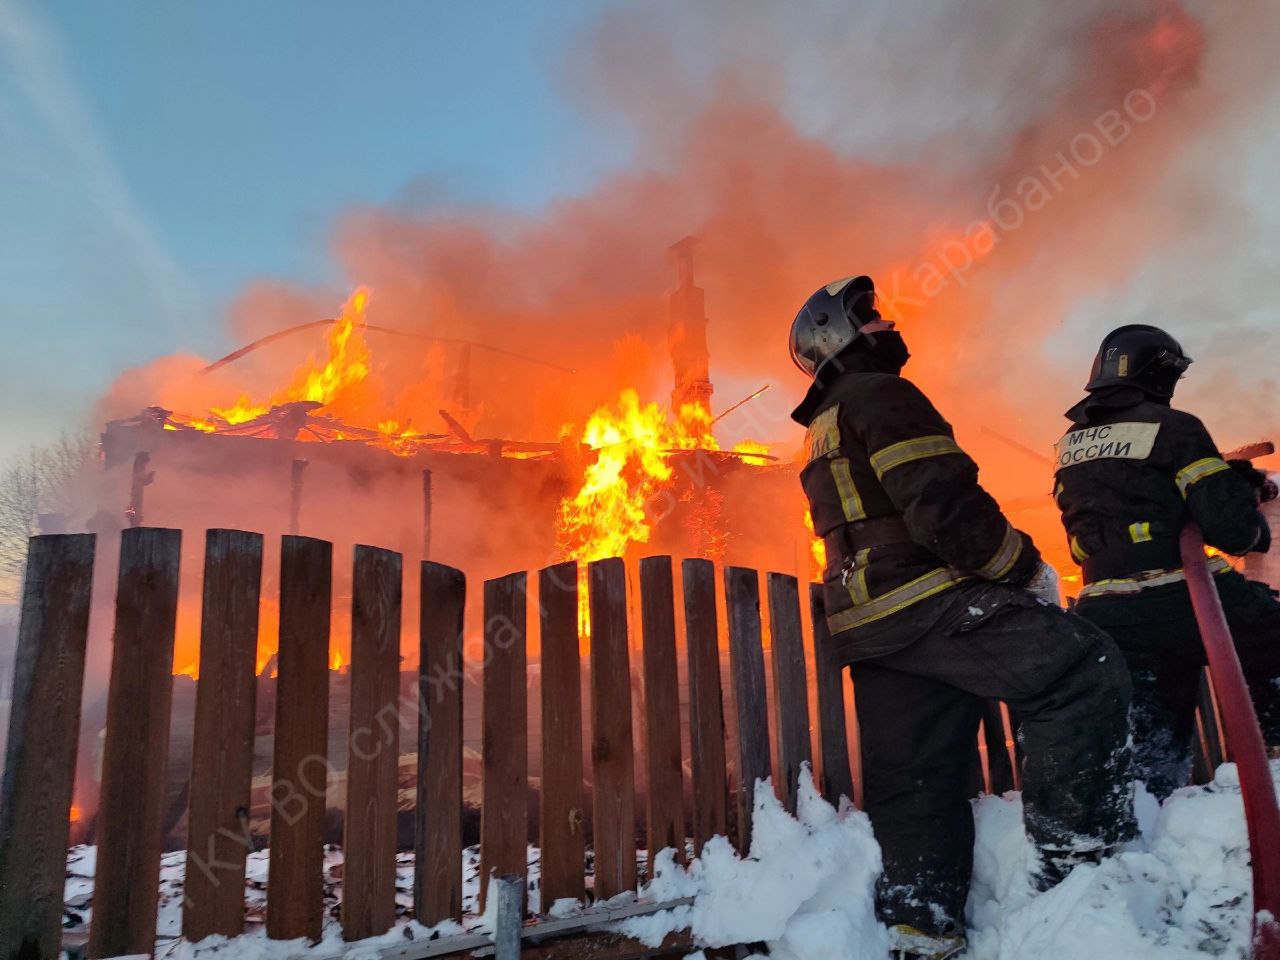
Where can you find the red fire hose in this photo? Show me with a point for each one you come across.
(1247, 750)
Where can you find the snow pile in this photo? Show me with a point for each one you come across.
(1180, 891)
(806, 890)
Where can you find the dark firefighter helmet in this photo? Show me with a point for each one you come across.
(1142, 356)
(831, 320)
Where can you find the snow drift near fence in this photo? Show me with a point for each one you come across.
(1181, 891)
(806, 890)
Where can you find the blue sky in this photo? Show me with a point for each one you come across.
(155, 157)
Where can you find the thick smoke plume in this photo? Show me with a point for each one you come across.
(1018, 179)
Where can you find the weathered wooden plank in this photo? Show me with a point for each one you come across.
(594, 944)
(833, 737)
(1009, 724)
(437, 882)
(131, 808)
(612, 751)
(665, 773)
(295, 881)
(562, 815)
(790, 683)
(1219, 748)
(504, 815)
(999, 766)
(218, 840)
(1200, 770)
(706, 703)
(40, 755)
(373, 745)
(746, 662)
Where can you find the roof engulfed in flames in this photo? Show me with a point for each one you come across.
(628, 445)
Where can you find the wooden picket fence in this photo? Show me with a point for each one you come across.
(49, 673)
(45, 717)
(38, 782)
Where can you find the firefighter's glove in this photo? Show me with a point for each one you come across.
(1263, 486)
(1043, 585)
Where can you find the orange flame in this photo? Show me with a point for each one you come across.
(610, 511)
(242, 411)
(749, 449)
(617, 502)
(817, 547)
(397, 438)
(348, 362)
(346, 366)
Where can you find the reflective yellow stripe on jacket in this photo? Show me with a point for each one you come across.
(935, 581)
(896, 454)
(857, 582)
(1006, 556)
(1122, 586)
(1193, 473)
(1140, 532)
(850, 499)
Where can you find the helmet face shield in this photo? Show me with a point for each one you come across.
(831, 320)
(817, 336)
(1175, 361)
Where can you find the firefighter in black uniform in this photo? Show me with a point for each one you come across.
(926, 599)
(1130, 473)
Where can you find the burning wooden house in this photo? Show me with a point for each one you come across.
(637, 479)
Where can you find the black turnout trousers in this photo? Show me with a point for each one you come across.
(1157, 633)
(918, 711)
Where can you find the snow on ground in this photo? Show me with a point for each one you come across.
(1180, 891)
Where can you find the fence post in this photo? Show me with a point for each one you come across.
(833, 734)
(40, 756)
(373, 746)
(1211, 716)
(131, 811)
(706, 703)
(218, 839)
(665, 773)
(612, 752)
(508, 921)
(790, 683)
(562, 814)
(437, 880)
(504, 814)
(1243, 733)
(300, 769)
(746, 661)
